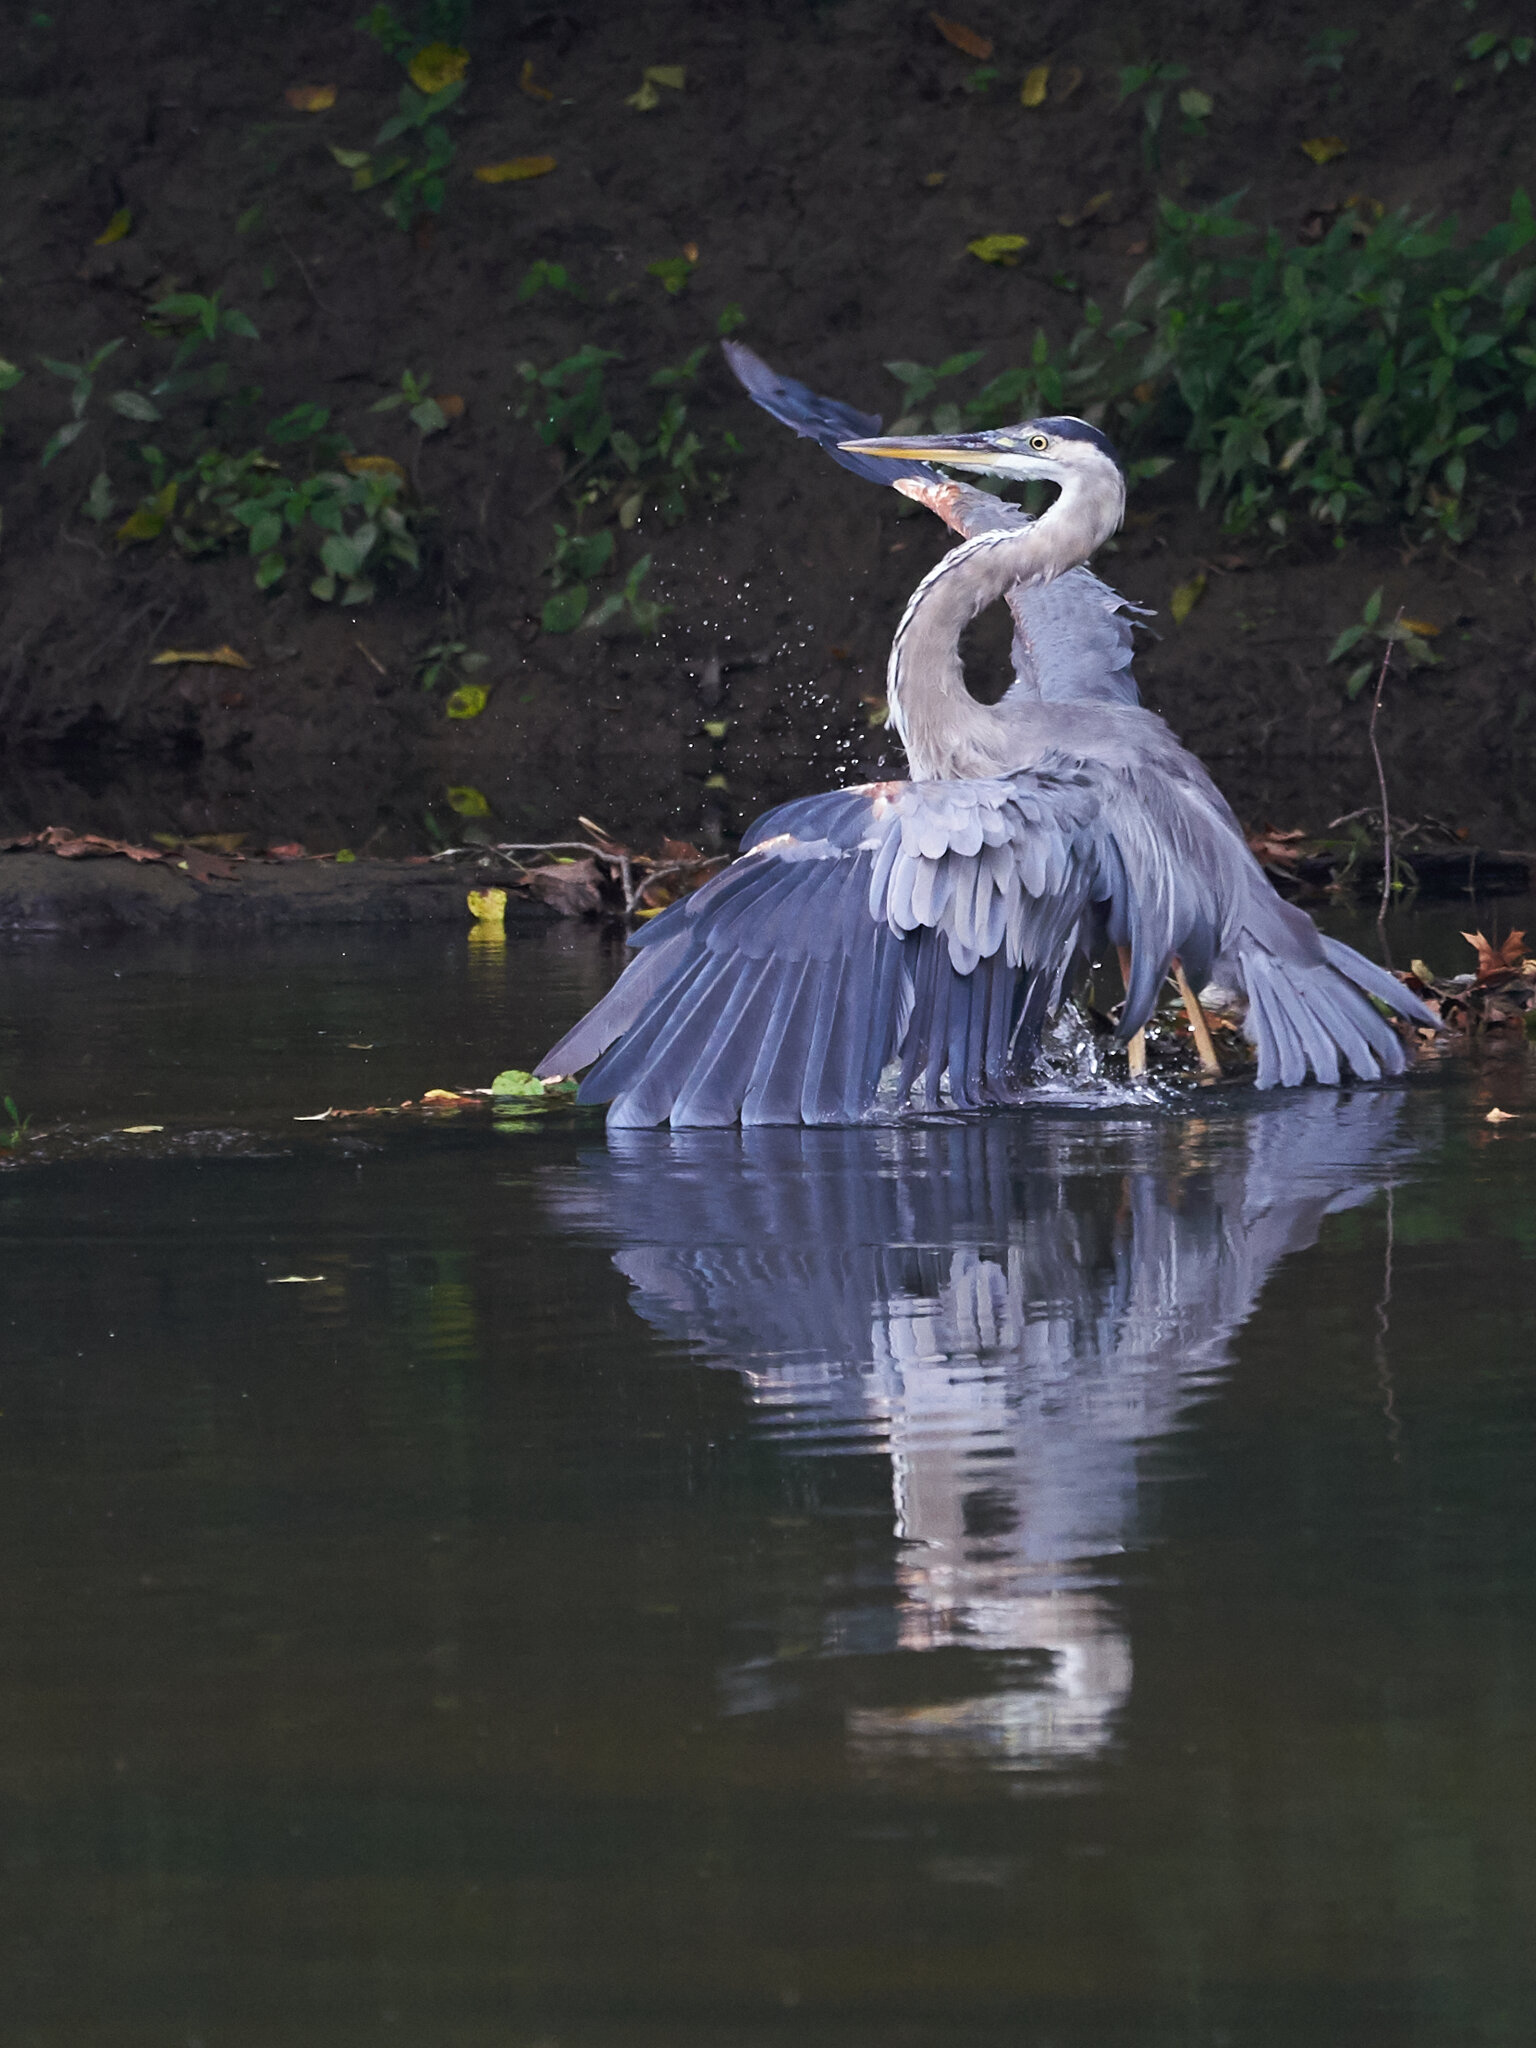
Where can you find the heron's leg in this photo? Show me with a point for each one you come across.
(1205, 1045)
(1136, 1047)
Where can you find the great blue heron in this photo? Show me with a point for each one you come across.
(902, 944)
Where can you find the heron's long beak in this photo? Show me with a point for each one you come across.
(958, 451)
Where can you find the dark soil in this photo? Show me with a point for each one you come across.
(796, 161)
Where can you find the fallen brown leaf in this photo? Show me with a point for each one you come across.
(310, 99)
(1496, 964)
(962, 38)
(526, 82)
(571, 887)
(90, 845)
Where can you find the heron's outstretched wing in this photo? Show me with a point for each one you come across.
(1178, 881)
(1071, 637)
(920, 928)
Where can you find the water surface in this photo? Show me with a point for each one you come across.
(1056, 1578)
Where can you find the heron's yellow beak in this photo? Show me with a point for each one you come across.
(956, 451)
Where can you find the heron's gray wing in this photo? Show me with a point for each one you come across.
(1179, 881)
(1072, 641)
(915, 925)
(827, 421)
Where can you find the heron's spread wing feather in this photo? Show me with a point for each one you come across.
(898, 924)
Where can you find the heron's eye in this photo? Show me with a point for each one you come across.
(1039, 442)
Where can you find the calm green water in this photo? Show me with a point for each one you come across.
(1064, 1579)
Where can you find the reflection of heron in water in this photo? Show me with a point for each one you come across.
(905, 942)
(1009, 1310)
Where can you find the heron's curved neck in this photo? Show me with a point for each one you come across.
(946, 732)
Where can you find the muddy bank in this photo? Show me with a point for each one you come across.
(827, 165)
(41, 893)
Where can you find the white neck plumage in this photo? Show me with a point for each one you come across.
(947, 734)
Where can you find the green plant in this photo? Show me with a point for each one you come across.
(1504, 50)
(354, 519)
(1154, 80)
(1325, 51)
(918, 384)
(10, 376)
(612, 470)
(643, 613)
(1356, 374)
(541, 276)
(673, 273)
(437, 21)
(410, 153)
(81, 379)
(1397, 632)
(610, 475)
(422, 409)
(448, 661)
(16, 1125)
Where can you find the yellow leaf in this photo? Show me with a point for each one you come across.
(527, 83)
(963, 38)
(1185, 597)
(115, 228)
(672, 76)
(1423, 628)
(210, 657)
(1324, 148)
(439, 64)
(1032, 91)
(467, 701)
(643, 100)
(148, 522)
(349, 159)
(514, 168)
(1091, 207)
(372, 465)
(467, 801)
(488, 906)
(310, 99)
(1002, 249)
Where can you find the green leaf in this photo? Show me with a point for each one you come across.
(133, 405)
(1350, 637)
(516, 1081)
(270, 569)
(62, 439)
(1372, 611)
(564, 612)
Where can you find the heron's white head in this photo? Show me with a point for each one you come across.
(1058, 450)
